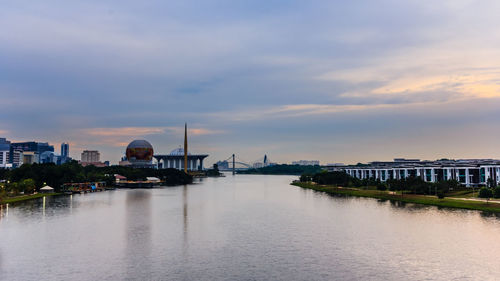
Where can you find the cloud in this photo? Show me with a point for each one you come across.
(126, 131)
(194, 131)
(298, 110)
(438, 69)
(101, 74)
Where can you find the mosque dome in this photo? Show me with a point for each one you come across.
(178, 152)
(139, 150)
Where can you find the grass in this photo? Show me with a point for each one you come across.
(409, 198)
(25, 197)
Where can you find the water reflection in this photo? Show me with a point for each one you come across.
(138, 225)
(185, 214)
(243, 228)
(4, 211)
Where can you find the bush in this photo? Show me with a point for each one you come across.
(381, 186)
(485, 193)
(332, 178)
(305, 178)
(440, 194)
(496, 192)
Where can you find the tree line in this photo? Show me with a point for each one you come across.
(283, 169)
(413, 185)
(31, 177)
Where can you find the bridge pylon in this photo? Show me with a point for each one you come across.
(234, 169)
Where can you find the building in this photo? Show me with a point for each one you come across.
(90, 156)
(30, 157)
(17, 149)
(4, 153)
(180, 158)
(222, 165)
(469, 172)
(65, 150)
(4, 159)
(265, 162)
(139, 154)
(306, 163)
(15, 158)
(176, 160)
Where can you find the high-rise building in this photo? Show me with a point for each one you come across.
(64, 150)
(32, 146)
(4, 152)
(90, 156)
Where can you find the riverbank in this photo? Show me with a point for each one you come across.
(25, 197)
(408, 198)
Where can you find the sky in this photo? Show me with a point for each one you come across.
(335, 81)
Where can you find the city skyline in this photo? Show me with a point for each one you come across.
(332, 81)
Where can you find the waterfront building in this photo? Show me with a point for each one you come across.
(180, 158)
(176, 160)
(139, 154)
(306, 163)
(90, 156)
(469, 172)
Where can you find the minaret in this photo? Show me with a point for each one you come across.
(185, 148)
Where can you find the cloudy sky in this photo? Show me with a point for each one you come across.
(336, 81)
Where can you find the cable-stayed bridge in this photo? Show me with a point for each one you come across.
(234, 163)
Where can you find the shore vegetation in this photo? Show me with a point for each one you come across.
(411, 190)
(284, 169)
(29, 178)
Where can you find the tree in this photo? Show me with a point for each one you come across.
(446, 186)
(214, 172)
(333, 178)
(27, 186)
(305, 178)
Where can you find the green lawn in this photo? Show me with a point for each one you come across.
(410, 198)
(25, 197)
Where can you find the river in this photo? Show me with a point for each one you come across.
(244, 227)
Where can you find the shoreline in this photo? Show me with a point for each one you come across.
(447, 202)
(26, 198)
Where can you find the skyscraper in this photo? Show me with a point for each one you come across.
(64, 150)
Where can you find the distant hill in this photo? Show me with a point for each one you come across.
(284, 169)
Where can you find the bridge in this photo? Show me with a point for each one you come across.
(234, 163)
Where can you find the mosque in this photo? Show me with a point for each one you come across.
(176, 160)
(140, 154)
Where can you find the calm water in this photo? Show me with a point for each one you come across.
(243, 228)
